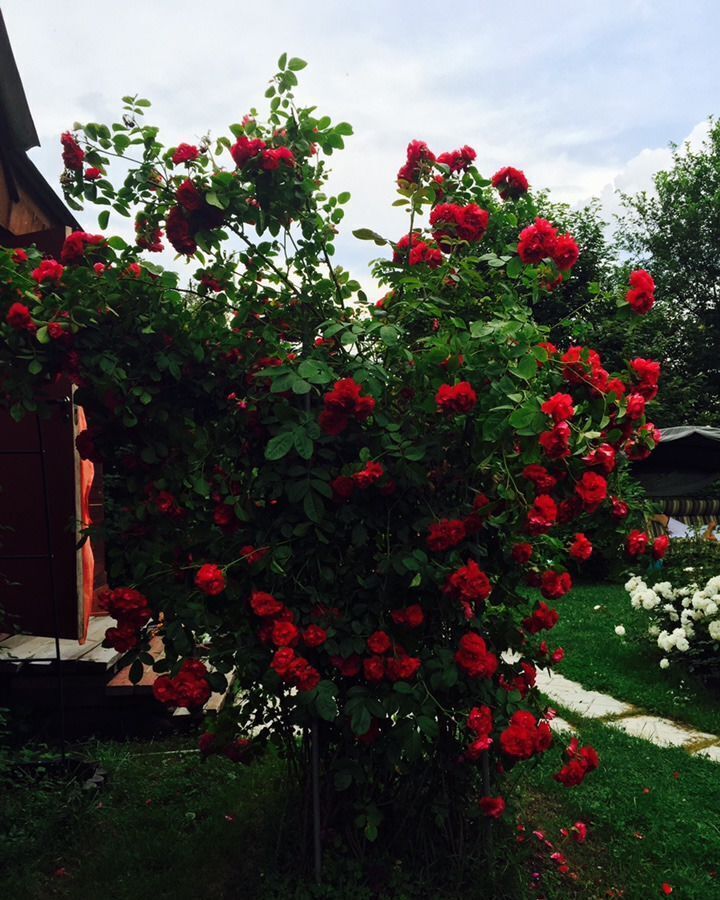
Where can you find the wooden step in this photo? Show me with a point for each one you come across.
(28, 653)
(120, 684)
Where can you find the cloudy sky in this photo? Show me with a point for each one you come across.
(583, 97)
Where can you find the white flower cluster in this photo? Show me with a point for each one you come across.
(684, 620)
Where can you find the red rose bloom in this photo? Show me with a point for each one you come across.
(556, 443)
(179, 232)
(185, 153)
(604, 457)
(19, 318)
(641, 296)
(555, 584)
(543, 514)
(619, 508)
(660, 547)
(581, 548)
(93, 173)
(285, 634)
(510, 183)
(402, 668)
(273, 158)
(77, 243)
(565, 252)
(265, 605)
(424, 254)
(445, 534)
(210, 579)
(282, 660)
(400, 255)
(459, 398)
(411, 617)
(592, 489)
(343, 403)
(637, 543)
(537, 242)
(492, 807)
(189, 197)
(458, 160)
(480, 721)
(647, 374)
(635, 406)
(379, 642)
(371, 474)
(48, 270)
(522, 553)
(452, 222)
(303, 675)
(72, 154)
(474, 658)
(245, 149)
(418, 156)
(559, 407)
(374, 669)
(542, 619)
(314, 636)
(540, 477)
(343, 487)
(521, 739)
(469, 584)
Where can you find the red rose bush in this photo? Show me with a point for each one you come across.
(356, 507)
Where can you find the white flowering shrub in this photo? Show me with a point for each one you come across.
(683, 621)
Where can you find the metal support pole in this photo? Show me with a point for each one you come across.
(53, 591)
(315, 784)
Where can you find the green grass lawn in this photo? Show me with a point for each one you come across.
(627, 668)
(638, 838)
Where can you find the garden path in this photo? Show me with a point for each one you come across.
(630, 719)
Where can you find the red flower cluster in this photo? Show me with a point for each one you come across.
(580, 761)
(604, 457)
(452, 222)
(77, 243)
(185, 153)
(510, 183)
(469, 585)
(423, 254)
(343, 403)
(412, 616)
(582, 366)
(540, 477)
(660, 547)
(72, 154)
(265, 605)
(581, 548)
(647, 374)
(522, 553)
(492, 807)
(554, 585)
(19, 318)
(592, 490)
(445, 534)
(246, 150)
(253, 555)
(474, 658)
(371, 474)
(641, 296)
(295, 670)
(458, 160)
(541, 241)
(543, 515)
(48, 270)
(556, 442)
(525, 736)
(559, 407)
(542, 619)
(210, 580)
(419, 155)
(132, 611)
(458, 398)
(189, 688)
(637, 543)
(147, 235)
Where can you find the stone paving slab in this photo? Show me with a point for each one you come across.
(571, 695)
(712, 753)
(662, 732)
(562, 726)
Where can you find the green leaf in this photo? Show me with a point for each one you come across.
(136, 671)
(343, 197)
(514, 267)
(344, 128)
(295, 64)
(103, 219)
(35, 367)
(213, 200)
(42, 335)
(367, 234)
(303, 444)
(389, 335)
(282, 62)
(313, 506)
(526, 368)
(280, 445)
(360, 720)
(343, 779)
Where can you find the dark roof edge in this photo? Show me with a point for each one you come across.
(13, 102)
